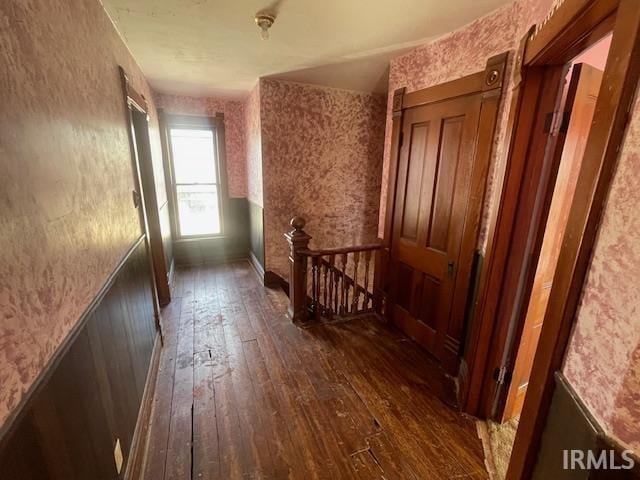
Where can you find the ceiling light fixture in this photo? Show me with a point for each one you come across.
(264, 21)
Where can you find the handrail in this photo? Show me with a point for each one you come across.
(337, 251)
(326, 282)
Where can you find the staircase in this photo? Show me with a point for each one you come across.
(330, 284)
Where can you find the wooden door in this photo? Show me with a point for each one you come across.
(434, 181)
(582, 94)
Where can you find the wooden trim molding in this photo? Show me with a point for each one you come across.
(257, 267)
(145, 192)
(567, 24)
(273, 280)
(135, 462)
(131, 94)
(620, 81)
(480, 326)
(460, 87)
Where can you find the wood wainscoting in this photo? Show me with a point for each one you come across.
(256, 237)
(570, 426)
(83, 409)
(233, 245)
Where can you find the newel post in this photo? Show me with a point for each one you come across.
(298, 240)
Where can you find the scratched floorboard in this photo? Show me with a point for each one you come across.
(244, 394)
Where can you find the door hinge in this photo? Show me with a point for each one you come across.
(502, 376)
(556, 122)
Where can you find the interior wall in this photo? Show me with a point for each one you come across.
(603, 359)
(234, 126)
(605, 346)
(322, 154)
(65, 176)
(253, 158)
(253, 146)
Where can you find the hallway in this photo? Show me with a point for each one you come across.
(243, 393)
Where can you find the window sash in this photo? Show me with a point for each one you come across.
(218, 186)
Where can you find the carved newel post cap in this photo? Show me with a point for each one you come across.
(297, 223)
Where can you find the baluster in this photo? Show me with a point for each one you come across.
(315, 288)
(356, 292)
(324, 289)
(367, 261)
(345, 287)
(336, 299)
(332, 296)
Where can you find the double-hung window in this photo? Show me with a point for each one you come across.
(197, 182)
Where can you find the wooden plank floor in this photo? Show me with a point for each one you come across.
(244, 394)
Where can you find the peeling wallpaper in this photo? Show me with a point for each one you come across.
(233, 130)
(605, 345)
(65, 176)
(322, 154)
(253, 146)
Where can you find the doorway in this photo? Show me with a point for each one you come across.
(442, 139)
(144, 196)
(540, 121)
(568, 130)
(578, 99)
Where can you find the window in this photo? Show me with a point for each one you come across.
(196, 180)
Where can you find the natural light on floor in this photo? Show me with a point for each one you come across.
(196, 181)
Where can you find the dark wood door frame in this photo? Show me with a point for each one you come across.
(489, 83)
(574, 26)
(144, 197)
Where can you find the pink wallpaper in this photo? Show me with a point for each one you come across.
(233, 130)
(253, 146)
(448, 58)
(65, 176)
(605, 347)
(322, 158)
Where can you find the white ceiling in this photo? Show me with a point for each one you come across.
(213, 47)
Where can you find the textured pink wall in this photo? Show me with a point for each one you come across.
(253, 146)
(65, 176)
(463, 52)
(605, 347)
(322, 159)
(233, 130)
(448, 58)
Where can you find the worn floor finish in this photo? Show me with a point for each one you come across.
(244, 394)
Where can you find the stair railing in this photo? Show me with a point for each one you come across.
(330, 283)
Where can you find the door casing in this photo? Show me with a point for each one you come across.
(574, 26)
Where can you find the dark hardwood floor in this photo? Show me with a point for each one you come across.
(243, 393)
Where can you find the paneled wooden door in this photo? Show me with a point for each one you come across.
(434, 182)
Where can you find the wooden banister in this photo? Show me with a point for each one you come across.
(338, 282)
(298, 241)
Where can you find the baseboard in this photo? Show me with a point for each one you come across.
(172, 269)
(213, 261)
(273, 280)
(256, 266)
(137, 454)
